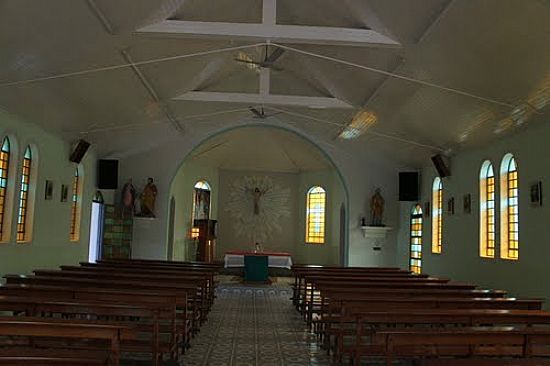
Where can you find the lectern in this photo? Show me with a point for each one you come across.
(206, 240)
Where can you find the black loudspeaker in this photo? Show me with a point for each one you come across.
(79, 151)
(107, 174)
(408, 186)
(441, 166)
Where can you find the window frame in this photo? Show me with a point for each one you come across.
(201, 184)
(437, 215)
(6, 158)
(509, 208)
(76, 203)
(487, 211)
(23, 207)
(415, 239)
(313, 219)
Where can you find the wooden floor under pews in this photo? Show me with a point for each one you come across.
(364, 315)
(98, 314)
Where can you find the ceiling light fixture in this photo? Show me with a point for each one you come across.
(358, 125)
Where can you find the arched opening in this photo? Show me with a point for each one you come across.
(487, 211)
(437, 215)
(509, 208)
(258, 179)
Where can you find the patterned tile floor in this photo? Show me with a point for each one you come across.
(254, 326)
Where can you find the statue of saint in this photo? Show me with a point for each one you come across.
(148, 198)
(128, 196)
(377, 208)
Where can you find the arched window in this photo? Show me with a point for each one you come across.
(315, 215)
(509, 205)
(201, 205)
(22, 212)
(415, 256)
(4, 170)
(487, 210)
(437, 215)
(76, 205)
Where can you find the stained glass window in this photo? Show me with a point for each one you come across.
(315, 215)
(487, 210)
(202, 185)
(24, 196)
(415, 257)
(75, 206)
(201, 205)
(437, 217)
(4, 170)
(509, 208)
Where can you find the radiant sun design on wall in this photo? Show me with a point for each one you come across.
(256, 205)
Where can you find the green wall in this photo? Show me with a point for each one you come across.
(460, 258)
(329, 253)
(182, 191)
(50, 245)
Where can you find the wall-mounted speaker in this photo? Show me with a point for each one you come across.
(79, 151)
(441, 166)
(408, 186)
(107, 174)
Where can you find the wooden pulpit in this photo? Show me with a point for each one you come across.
(206, 240)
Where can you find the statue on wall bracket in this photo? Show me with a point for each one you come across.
(377, 208)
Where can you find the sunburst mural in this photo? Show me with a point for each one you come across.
(256, 205)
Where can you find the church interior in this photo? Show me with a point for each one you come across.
(274, 182)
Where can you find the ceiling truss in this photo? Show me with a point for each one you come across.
(269, 31)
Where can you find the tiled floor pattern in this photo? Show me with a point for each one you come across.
(256, 326)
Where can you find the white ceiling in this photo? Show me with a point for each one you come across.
(280, 151)
(466, 65)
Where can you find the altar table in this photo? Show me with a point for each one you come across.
(235, 258)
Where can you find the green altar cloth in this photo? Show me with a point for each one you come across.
(255, 268)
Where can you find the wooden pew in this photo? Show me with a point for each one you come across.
(299, 271)
(308, 302)
(191, 278)
(192, 290)
(170, 272)
(63, 329)
(475, 343)
(364, 305)
(163, 262)
(368, 322)
(181, 331)
(340, 311)
(150, 316)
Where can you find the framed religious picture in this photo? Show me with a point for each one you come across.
(64, 192)
(48, 190)
(467, 203)
(427, 209)
(535, 192)
(451, 206)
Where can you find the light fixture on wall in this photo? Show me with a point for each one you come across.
(195, 233)
(358, 125)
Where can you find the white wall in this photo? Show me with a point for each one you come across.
(361, 177)
(50, 245)
(460, 258)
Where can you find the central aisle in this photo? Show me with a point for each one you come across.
(254, 325)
